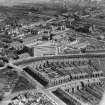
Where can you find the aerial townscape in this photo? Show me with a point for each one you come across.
(52, 52)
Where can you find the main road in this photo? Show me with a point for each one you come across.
(71, 56)
(36, 59)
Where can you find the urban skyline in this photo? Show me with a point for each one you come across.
(16, 2)
(52, 53)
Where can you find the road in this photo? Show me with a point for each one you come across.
(48, 91)
(32, 25)
(40, 88)
(61, 85)
(69, 56)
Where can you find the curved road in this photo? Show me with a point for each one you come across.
(36, 59)
(72, 56)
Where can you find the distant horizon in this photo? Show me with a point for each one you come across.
(16, 2)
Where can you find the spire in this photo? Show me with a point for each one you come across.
(64, 4)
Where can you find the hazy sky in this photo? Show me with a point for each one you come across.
(11, 2)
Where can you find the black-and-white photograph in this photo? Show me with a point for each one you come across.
(52, 52)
